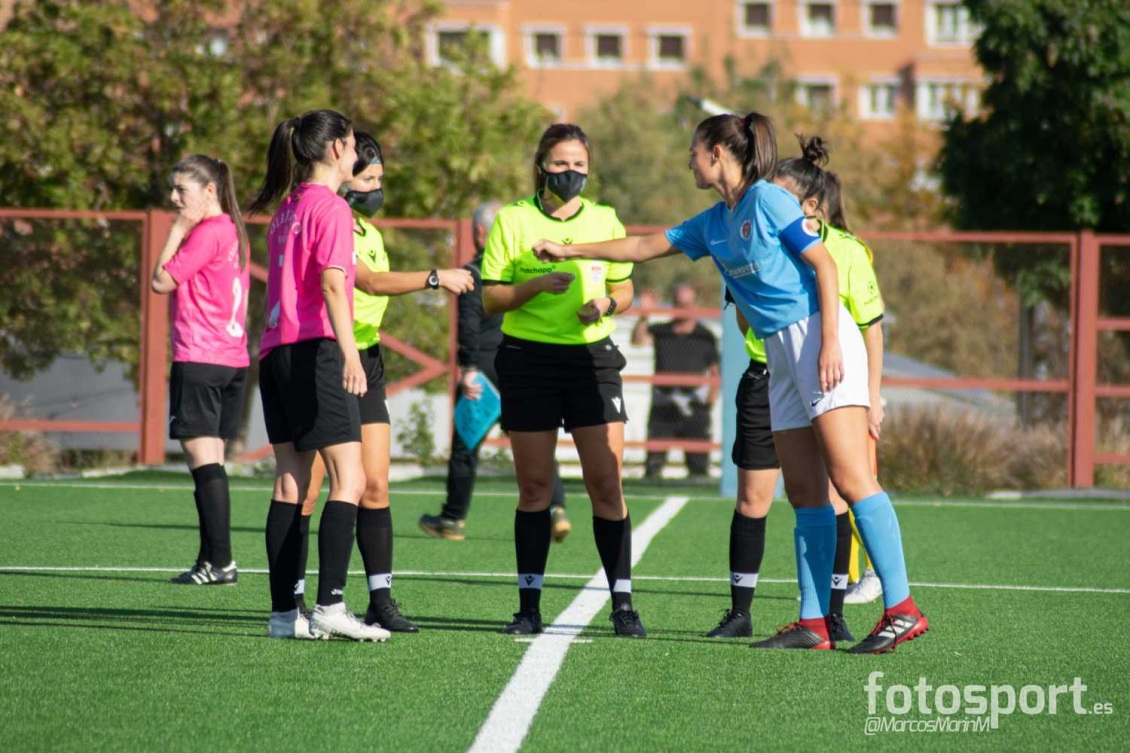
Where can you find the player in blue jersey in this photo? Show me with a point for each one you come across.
(785, 284)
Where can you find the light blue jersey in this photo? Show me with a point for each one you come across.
(757, 248)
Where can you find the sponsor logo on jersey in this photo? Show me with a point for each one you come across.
(747, 230)
(535, 270)
(745, 270)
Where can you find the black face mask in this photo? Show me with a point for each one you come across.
(565, 186)
(367, 203)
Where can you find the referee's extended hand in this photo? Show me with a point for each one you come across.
(456, 281)
(353, 378)
(554, 282)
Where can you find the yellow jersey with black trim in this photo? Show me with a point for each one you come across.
(368, 310)
(509, 260)
(859, 289)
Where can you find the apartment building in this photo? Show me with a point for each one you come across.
(871, 56)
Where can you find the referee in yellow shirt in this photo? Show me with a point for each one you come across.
(558, 367)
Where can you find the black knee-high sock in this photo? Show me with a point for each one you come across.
(532, 531)
(841, 564)
(203, 553)
(283, 545)
(374, 539)
(303, 561)
(614, 544)
(215, 511)
(747, 548)
(335, 545)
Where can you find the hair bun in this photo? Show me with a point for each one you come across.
(814, 150)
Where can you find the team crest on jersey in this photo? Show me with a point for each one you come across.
(596, 272)
(747, 230)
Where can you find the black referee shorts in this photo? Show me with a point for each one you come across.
(374, 403)
(304, 401)
(205, 400)
(753, 446)
(545, 386)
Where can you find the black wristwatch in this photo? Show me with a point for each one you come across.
(611, 307)
(433, 280)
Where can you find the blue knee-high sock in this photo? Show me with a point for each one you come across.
(815, 538)
(879, 528)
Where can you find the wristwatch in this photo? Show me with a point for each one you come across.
(611, 307)
(433, 280)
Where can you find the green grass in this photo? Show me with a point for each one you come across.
(118, 660)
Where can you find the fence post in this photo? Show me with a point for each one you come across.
(154, 339)
(1084, 322)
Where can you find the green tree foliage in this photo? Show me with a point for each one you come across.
(99, 102)
(1051, 150)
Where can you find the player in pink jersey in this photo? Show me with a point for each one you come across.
(204, 266)
(310, 372)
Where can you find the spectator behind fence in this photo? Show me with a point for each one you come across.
(682, 346)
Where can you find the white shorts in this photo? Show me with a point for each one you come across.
(795, 397)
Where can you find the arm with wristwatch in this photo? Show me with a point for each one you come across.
(457, 281)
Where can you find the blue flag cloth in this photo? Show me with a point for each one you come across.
(474, 418)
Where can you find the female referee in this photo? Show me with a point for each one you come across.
(310, 370)
(758, 238)
(204, 266)
(374, 284)
(557, 366)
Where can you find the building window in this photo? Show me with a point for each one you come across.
(755, 19)
(817, 19)
(882, 19)
(877, 100)
(449, 44)
(544, 47)
(947, 22)
(819, 96)
(669, 48)
(606, 47)
(934, 100)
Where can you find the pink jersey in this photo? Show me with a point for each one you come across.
(311, 232)
(210, 301)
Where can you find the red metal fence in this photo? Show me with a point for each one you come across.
(1081, 385)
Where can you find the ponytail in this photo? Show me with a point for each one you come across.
(835, 210)
(230, 205)
(296, 145)
(749, 139)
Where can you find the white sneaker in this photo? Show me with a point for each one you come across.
(337, 620)
(865, 590)
(292, 624)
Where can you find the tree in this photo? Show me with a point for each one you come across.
(100, 101)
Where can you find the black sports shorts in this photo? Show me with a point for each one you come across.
(304, 401)
(374, 403)
(545, 386)
(753, 446)
(205, 400)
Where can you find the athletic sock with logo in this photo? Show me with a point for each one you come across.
(532, 531)
(215, 511)
(879, 528)
(815, 539)
(335, 545)
(374, 540)
(303, 561)
(283, 546)
(614, 544)
(747, 549)
(840, 564)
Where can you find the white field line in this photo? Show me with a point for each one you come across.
(514, 711)
(565, 576)
(987, 504)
